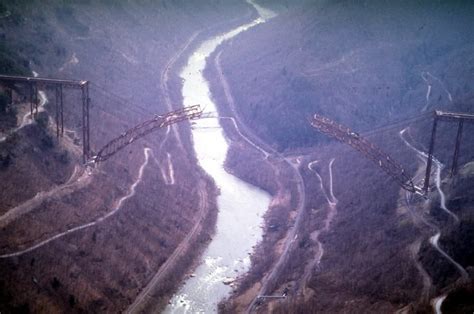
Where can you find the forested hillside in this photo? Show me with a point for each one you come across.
(362, 63)
(94, 247)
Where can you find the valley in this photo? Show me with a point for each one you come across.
(250, 208)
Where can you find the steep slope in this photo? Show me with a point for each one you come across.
(91, 241)
(362, 64)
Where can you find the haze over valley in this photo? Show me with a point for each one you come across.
(236, 156)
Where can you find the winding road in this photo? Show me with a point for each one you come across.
(434, 239)
(117, 207)
(332, 202)
(27, 118)
(203, 208)
(79, 179)
(273, 274)
(179, 252)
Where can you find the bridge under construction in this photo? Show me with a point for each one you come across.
(35, 83)
(323, 124)
(116, 144)
(382, 159)
(145, 128)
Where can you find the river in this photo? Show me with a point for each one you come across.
(241, 205)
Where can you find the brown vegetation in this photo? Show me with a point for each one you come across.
(32, 161)
(362, 66)
(122, 48)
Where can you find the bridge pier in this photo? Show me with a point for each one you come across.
(430, 155)
(59, 111)
(31, 98)
(373, 153)
(454, 168)
(85, 120)
(58, 84)
(461, 118)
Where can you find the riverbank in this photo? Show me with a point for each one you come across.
(142, 203)
(241, 205)
(254, 161)
(283, 72)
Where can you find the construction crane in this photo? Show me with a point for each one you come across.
(368, 149)
(144, 128)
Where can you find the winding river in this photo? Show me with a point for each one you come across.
(241, 206)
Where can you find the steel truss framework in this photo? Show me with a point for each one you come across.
(35, 83)
(460, 118)
(368, 149)
(383, 160)
(145, 128)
